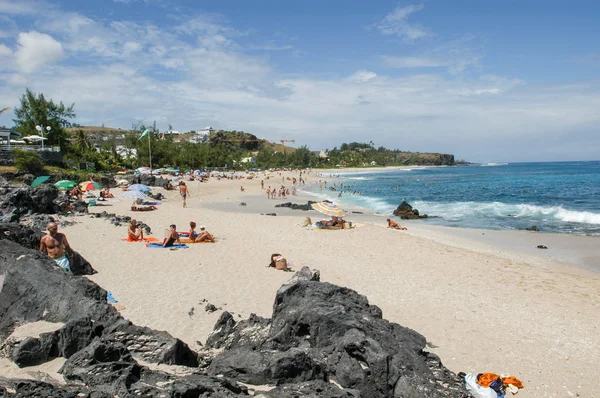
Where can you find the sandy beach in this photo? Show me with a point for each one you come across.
(486, 303)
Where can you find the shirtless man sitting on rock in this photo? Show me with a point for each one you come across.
(56, 244)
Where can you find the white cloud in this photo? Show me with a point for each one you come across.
(5, 51)
(18, 7)
(363, 76)
(35, 50)
(396, 23)
(198, 71)
(413, 62)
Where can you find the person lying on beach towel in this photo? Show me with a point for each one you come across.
(134, 231)
(143, 208)
(395, 225)
(172, 238)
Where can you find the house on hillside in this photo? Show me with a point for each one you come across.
(171, 132)
(201, 135)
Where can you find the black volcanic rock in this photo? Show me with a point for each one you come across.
(296, 206)
(15, 203)
(319, 334)
(342, 334)
(36, 289)
(147, 179)
(407, 212)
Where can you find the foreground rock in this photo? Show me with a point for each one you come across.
(406, 212)
(323, 340)
(324, 332)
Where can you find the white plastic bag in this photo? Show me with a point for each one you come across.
(476, 390)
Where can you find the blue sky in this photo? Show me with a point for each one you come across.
(486, 81)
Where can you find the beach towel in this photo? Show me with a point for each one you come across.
(159, 246)
(147, 240)
(150, 203)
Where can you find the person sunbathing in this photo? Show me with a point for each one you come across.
(135, 207)
(395, 225)
(204, 236)
(172, 238)
(134, 231)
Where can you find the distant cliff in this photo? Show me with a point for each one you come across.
(425, 159)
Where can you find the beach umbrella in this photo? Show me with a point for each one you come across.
(40, 180)
(329, 209)
(133, 195)
(90, 185)
(139, 187)
(65, 184)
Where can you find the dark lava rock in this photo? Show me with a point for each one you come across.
(210, 308)
(22, 235)
(19, 388)
(311, 389)
(319, 333)
(20, 201)
(533, 228)
(36, 289)
(147, 179)
(106, 367)
(345, 339)
(295, 206)
(406, 212)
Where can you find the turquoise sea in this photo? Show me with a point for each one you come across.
(561, 197)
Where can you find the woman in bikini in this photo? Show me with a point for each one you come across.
(204, 236)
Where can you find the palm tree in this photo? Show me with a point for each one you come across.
(81, 141)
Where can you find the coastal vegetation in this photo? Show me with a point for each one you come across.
(110, 148)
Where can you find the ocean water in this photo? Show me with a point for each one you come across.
(561, 197)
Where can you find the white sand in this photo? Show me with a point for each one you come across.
(484, 310)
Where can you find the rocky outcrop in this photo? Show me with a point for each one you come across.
(15, 203)
(35, 289)
(406, 212)
(322, 332)
(295, 206)
(322, 340)
(147, 179)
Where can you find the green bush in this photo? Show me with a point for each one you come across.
(29, 161)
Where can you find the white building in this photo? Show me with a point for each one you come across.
(201, 135)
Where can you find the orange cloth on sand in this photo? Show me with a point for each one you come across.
(147, 240)
(486, 379)
(512, 380)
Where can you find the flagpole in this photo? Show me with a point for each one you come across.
(150, 152)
